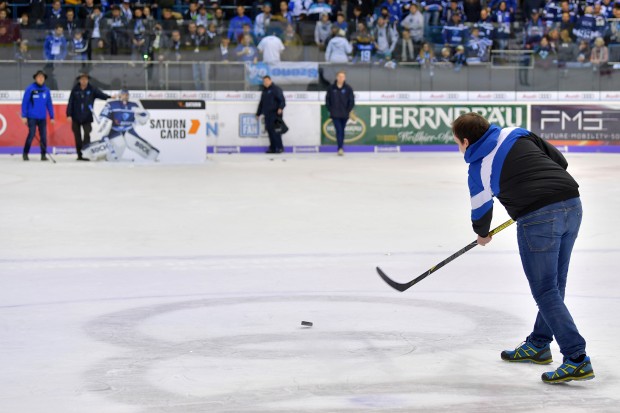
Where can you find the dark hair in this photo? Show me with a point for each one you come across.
(266, 77)
(470, 126)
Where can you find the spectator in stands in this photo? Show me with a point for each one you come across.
(554, 38)
(78, 47)
(117, 30)
(247, 31)
(285, 16)
(95, 25)
(615, 26)
(485, 25)
(356, 18)
(55, 47)
(175, 47)
(586, 26)
(385, 37)
(414, 23)
(544, 54)
(54, 16)
(426, 57)
(293, 45)
(262, 21)
(37, 11)
(139, 46)
(245, 51)
(322, 30)
(271, 48)
(583, 52)
(338, 49)
(148, 20)
(366, 7)
(222, 52)
(406, 50)
(567, 23)
(86, 9)
(432, 13)
(71, 24)
(235, 28)
(503, 19)
(600, 56)
(460, 58)
(445, 58)
(394, 9)
(454, 7)
(607, 9)
(528, 7)
(567, 50)
(157, 43)
(126, 10)
(602, 26)
(202, 19)
(189, 37)
(6, 43)
(455, 32)
(23, 53)
(219, 20)
(340, 22)
(202, 41)
(212, 35)
(534, 30)
(192, 13)
(472, 9)
(478, 48)
(168, 21)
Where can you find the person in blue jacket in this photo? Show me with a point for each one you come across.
(36, 104)
(55, 46)
(530, 179)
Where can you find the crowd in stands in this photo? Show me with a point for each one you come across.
(433, 32)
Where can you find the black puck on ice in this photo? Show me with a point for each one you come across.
(306, 323)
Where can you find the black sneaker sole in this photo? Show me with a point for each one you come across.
(506, 357)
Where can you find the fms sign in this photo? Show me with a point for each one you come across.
(576, 122)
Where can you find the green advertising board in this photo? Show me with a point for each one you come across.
(402, 124)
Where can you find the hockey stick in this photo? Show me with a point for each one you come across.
(404, 286)
(46, 153)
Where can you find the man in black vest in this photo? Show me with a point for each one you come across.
(79, 111)
(271, 105)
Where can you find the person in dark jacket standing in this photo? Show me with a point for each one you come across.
(528, 176)
(271, 105)
(79, 111)
(340, 101)
(36, 104)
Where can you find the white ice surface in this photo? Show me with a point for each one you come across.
(181, 289)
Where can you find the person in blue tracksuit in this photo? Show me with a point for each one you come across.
(528, 176)
(340, 101)
(36, 104)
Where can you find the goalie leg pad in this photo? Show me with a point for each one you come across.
(141, 146)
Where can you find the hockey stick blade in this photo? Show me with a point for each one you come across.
(405, 286)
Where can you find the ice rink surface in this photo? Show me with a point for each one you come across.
(134, 288)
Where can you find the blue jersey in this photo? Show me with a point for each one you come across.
(364, 52)
(486, 29)
(122, 115)
(586, 27)
(455, 35)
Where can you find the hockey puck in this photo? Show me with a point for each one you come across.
(306, 323)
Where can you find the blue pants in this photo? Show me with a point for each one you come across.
(339, 125)
(546, 238)
(33, 124)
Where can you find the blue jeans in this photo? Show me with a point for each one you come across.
(33, 124)
(339, 125)
(546, 238)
